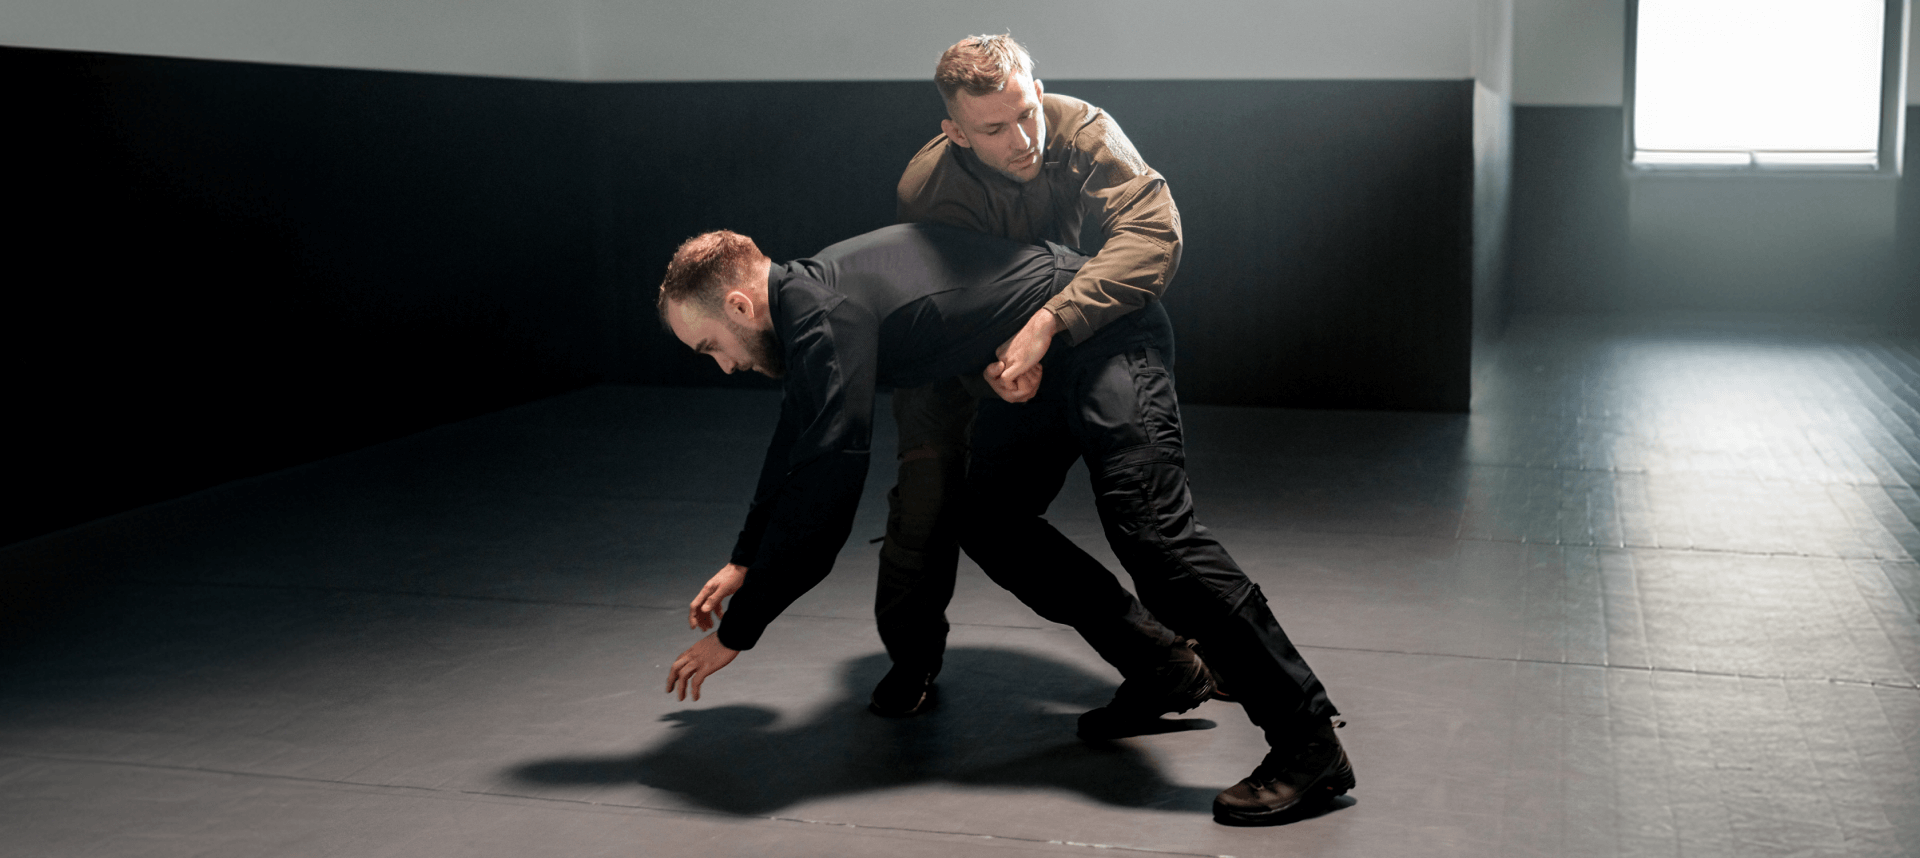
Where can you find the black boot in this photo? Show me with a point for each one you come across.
(1312, 771)
(901, 693)
(1180, 684)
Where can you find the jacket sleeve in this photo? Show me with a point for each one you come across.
(811, 480)
(1130, 205)
(930, 191)
(773, 474)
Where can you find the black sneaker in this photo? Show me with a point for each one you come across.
(902, 693)
(1181, 684)
(1314, 771)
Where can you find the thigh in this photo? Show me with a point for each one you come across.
(1127, 421)
(933, 416)
(1124, 409)
(1021, 454)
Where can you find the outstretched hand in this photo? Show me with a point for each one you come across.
(1016, 375)
(706, 607)
(700, 661)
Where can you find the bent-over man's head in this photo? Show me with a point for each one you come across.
(714, 298)
(993, 104)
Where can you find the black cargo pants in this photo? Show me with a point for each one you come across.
(920, 553)
(1111, 402)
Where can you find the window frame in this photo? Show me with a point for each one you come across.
(1893, 103)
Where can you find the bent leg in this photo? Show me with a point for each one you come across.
(1021, 454)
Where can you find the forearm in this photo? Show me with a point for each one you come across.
(811, 517)
(1133, 268)
(773, 475)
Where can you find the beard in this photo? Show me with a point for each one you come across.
(764, 349)
(1016, 177)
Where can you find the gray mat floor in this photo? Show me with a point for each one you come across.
(1657, 595)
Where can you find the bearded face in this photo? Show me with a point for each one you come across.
(763, 350)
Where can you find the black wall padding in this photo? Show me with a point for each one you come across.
(227, 269)
(1328, 223)
(230, 268)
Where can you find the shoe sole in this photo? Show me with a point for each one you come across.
(1329, 787)
(1141, 722)
(926, 702)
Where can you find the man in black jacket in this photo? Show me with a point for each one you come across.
(910, 304)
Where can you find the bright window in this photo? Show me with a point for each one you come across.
(1758, 83)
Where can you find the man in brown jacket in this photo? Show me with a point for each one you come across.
(1015, 162)
(1033, 173)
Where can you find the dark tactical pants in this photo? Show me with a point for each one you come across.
(1111, 402)
(919, 558)
(921, 550)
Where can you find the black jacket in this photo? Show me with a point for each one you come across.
(902, 306)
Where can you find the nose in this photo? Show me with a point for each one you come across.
(726, 366)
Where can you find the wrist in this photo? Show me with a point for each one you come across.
(1051, 320)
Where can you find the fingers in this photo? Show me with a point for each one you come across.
(675, 679)
(705, 607)
(1019, 361)
(694, 610)
(686, 675)
(1018, 388)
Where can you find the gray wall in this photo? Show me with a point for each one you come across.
(1588, 236)
(1572, 53)
(660, 40)
(1492, 167)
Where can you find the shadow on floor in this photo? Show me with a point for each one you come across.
(1005, 718)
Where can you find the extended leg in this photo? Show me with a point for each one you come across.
(1127, 420)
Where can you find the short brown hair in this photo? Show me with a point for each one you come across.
(980, 65)
(705, 267)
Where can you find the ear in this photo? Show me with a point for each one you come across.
(738, 306)
(954, 133)
(1039, 91)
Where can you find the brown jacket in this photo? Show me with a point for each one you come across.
(1090, 170)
